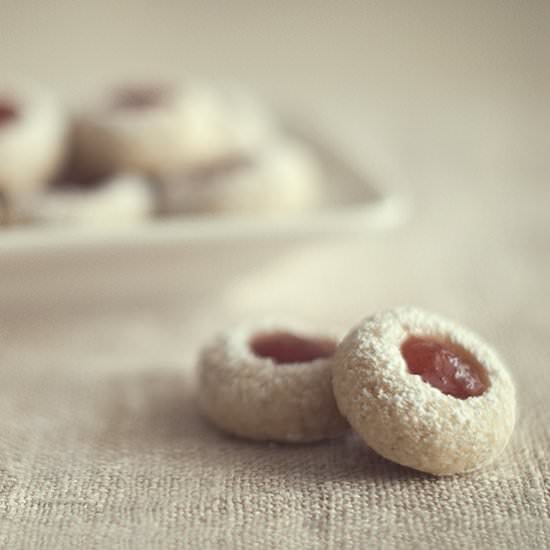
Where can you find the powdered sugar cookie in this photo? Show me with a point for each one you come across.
(4, 210)
(424, 392)
(32, 140)
(270, 381)
(118, 200)
(282, 177)
(159, 129)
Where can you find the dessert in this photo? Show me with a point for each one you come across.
(32, 143)
(158, 129)
(449, 370)
(117, 200)
(282, 177)
(270, 381)
(424, 392)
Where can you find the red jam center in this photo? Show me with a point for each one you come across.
(140, 98)
(8, 112)
(284, 347)
(447, 368)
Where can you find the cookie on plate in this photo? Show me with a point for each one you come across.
(158, 129)
(33, 133)
(282, 177)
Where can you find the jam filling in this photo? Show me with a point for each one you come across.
(285, 348)
(8, 112)
(445, 367)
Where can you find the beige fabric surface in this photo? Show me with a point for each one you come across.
(101, 442)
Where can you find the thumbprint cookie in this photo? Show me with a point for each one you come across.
(271, 381)
(424, 392)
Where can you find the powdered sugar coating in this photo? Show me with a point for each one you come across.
(192, 124)
(283, 176)
(120, 200)
(409, 421)
(254, 397)
(33, 144)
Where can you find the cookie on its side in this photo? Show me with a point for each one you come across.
(404, 414)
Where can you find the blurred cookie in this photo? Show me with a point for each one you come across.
(159, 129)
(282, 177)
(114, 201)
(33, 132)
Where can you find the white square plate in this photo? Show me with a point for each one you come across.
(357, 198)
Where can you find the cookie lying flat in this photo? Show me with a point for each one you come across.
(282, 177)
(158, 129)
(117, 200)
(424, 392)
(270, 381)
(33, 131)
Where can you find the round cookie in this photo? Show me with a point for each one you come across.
(118, 200)
(389, 377)
(270, 381)
(157, 129)
(282, 177)
(33, 131)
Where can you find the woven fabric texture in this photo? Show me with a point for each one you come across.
(101, 442)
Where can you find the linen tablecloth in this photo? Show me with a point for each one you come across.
(101, 442)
